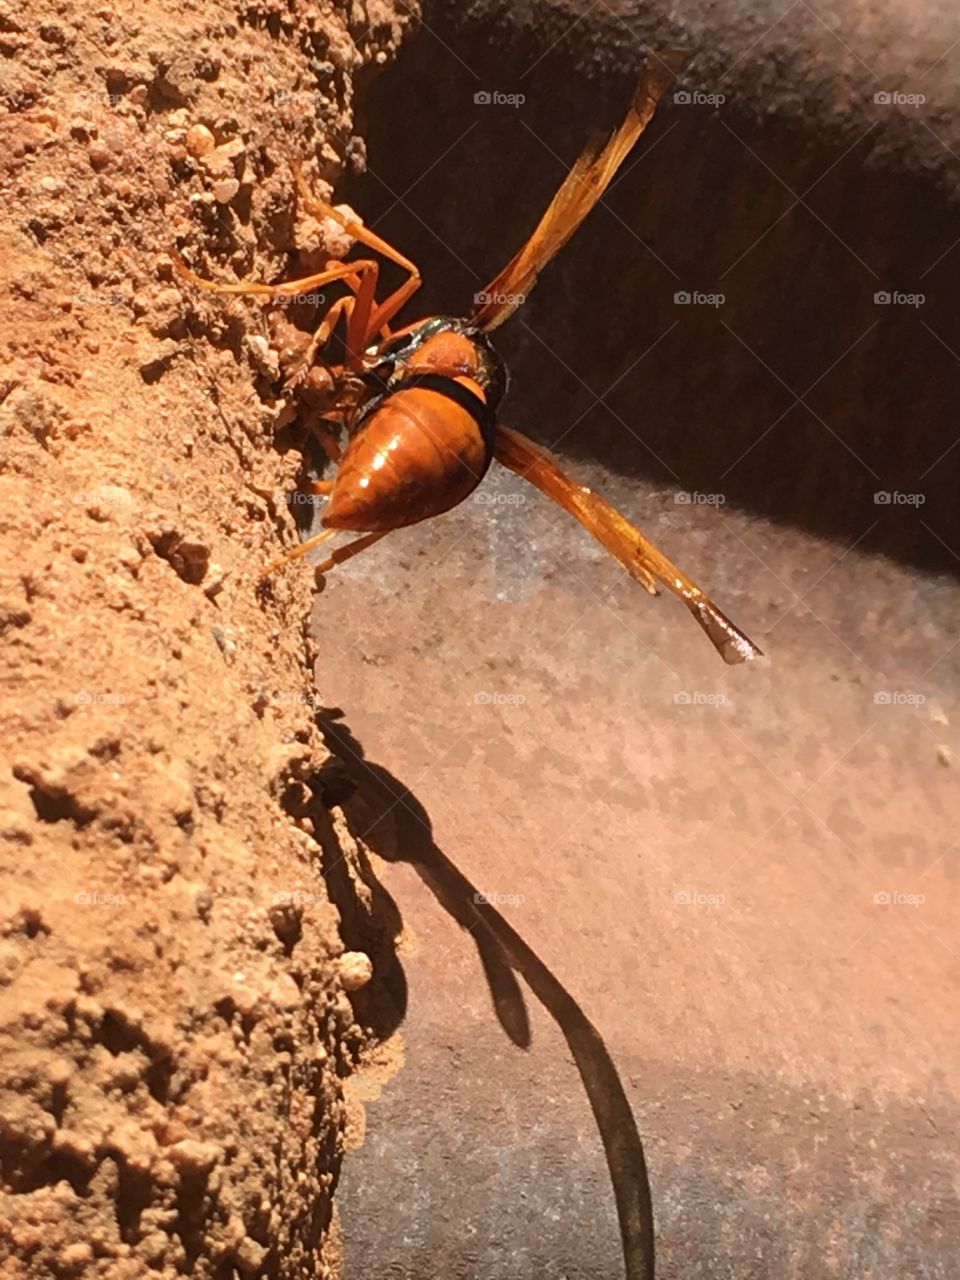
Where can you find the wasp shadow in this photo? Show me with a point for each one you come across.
(370, 920)
(382, 812)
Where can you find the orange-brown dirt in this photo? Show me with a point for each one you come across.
(175, 1022)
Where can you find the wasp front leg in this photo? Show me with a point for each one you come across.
(369, 318)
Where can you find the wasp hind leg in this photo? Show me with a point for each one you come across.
(277, 292)
(337, 557)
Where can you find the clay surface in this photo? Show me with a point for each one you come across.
(174, 1020)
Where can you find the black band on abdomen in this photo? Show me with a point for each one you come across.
(481, 412)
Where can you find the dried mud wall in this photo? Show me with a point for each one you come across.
(175, 1025)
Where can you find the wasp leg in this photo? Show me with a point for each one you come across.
(325, 431)
(303, 549)
(368, 320)
(342, 306)
(360, 276)
(623, 540)
(342, 553)
(278, 292)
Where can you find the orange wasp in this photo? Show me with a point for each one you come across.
(420, 404)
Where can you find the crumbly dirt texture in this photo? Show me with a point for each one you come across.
(176, 1015)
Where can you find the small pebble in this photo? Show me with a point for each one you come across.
(199, 140)
(250, 1255)
(245, 999)
(355, 969)
(263, 355)
(285, 994)
(76, 1255)
(190, 1156)
(225, 189)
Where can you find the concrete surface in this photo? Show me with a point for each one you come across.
(701, 878)
(726, 898)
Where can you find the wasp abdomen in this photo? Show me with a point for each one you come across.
(421, 449)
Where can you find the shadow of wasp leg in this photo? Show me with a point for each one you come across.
(351, 549)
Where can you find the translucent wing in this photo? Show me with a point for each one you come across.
(579, 192)
(623, 540)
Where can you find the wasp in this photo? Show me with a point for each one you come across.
(420, 404)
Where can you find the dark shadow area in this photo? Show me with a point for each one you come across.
(799, 397)
(370, 920)
(384, 813)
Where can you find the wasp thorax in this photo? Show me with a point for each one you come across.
(447, 352)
